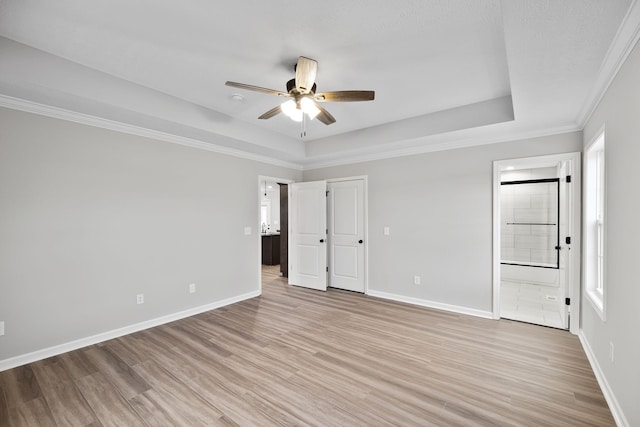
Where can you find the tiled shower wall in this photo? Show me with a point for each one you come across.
(531, 204)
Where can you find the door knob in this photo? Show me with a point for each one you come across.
(321, 240)
(360, 241)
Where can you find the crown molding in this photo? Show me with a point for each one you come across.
(623, 43)
(443, 146)
(86, 119)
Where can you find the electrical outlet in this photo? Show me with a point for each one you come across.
(386, 231)
(140, 298)
(416, 280)
(611, 350)
(192, 288)
(247, 231)
(2, 328)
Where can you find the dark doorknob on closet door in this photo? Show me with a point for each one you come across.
(321, 240)
(360, 241)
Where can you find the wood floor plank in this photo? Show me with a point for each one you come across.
(20, 385)
(110, 407)
(4, 408)
(77, 364)
(126, 380)
(34, 412)
(294, 356)
(175, 399)
(65, 401)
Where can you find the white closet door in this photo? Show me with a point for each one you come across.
(346, 235)
(308, 235)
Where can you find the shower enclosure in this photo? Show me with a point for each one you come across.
(530, 251)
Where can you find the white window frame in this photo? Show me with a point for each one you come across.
(595, 224)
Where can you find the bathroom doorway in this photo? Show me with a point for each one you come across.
(536, 238)
(531, 287)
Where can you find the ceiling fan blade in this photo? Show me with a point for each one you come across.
(345, 96)
(273, 112)
(324, 116)
(257, 89)
(306, 71)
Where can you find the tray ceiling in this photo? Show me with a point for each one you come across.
(443, 71)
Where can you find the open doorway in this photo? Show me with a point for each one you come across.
(273, 225)
(536, 240)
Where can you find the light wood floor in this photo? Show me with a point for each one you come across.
(301, 357)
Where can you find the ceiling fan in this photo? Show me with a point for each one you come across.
(303, 98)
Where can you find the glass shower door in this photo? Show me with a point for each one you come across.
(530, 219)
(530, 262)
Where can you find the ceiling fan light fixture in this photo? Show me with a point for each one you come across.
(309, 107)
(291, 110)
(288, 107)
(297, 116)
(304, 97)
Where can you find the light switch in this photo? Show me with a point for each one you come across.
(247, 231)
(385, 231)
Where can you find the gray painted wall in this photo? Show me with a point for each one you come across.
(439, 210)
(89, 218)
(619, 112)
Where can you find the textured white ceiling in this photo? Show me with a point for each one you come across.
(438, 66)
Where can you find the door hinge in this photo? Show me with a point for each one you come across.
(327, 269)
(568, 179)
(567, 240)
(326, 193)
(567, 301)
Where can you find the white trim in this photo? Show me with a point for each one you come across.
(104, 336)
(620, 48)
(432, 304)
(609, 396)
(86, 119)
(598, 302)
(575, 206)
(347, 178)
(346, 159)
(495, 264)
(574, 287)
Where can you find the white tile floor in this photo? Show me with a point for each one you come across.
(530, 303)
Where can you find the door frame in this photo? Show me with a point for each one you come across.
(262, 178)
(574, 259)
(365, 179)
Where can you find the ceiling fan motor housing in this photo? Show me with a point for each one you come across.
(291, 86)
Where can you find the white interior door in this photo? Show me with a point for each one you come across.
(308, 234)
(346, 235)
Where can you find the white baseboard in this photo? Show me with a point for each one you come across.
(431, 304)
(614, 406)
(95, 339)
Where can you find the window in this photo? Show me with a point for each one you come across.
(595, 225)
(265, 215)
